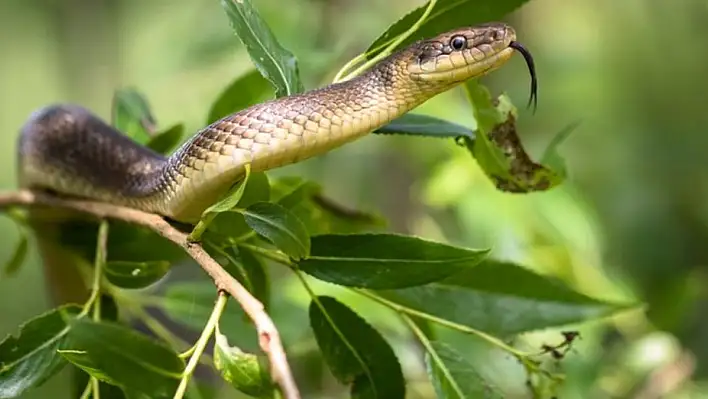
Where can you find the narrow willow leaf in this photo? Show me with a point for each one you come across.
(230, 199)
(427, 126)
(132, 115)
(166, 141)
(280, 226)
(502, 298)
(273, 61)
(248, 89)
(126, 274)
(355, 352)
(551, 157)
(446, 15)
(18, 256)
(454, 377)
(246, 372)
(498, 149)
(385, 261)
(120, 356)
(30, 358)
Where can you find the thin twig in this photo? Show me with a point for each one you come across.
(269, 339)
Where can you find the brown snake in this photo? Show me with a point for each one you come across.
(69, 150)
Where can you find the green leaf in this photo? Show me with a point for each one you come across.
(502, 298)
(551, 157)
(498, 149)
(30, 358)
(245, 91)
(385, 261)
(280, 226)
(120, 356)
(132, 116)
(165, 142)
(427, 126)
(126, 274)
(454, 377)
(273, 61)
(446, 15)
(246, 372)
(355, 352)
(231, 199)
(18, 256)
(257, 275)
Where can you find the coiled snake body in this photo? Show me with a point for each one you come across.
(68, 150)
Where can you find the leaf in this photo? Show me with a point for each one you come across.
(168, 140)
(355, 352)
(385, 261)
(454, 377)
(30, 358)
(551, 157)
(446, 15)
(498, 149)
(132, 116)
(423, 125)
(246, 372)
(502, 298)
(231, 199)
(246, 90)
(273, 61)
(127, 274)
(256, 272)
(120, 356)
(280, 226)
(18, 256)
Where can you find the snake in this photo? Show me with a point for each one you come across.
(68, 150)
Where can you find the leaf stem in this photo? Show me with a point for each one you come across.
(389, 49)
(100, 258)
(201, 344)
(433, 354)
(455, 326)
(275, 256)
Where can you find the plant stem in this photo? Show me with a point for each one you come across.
(455, 326)
(201, 344)
(389, 49)
(100, 260)
(275, 256)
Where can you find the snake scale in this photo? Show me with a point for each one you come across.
(70, 151)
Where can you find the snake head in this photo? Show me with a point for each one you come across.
(466, 53)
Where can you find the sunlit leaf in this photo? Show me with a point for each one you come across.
(498, 149)
(18, 256)
(245, 91)
(126, 274)
(280, 226)
(385, 261)
(244, 371)
(230, 199)
(121, 356)
(30, 358)
(355, 352)
(502, 298)
(132, 115)
(166, 141)
(454, 377)
(446, 15)
(427, 126)
(273, 61)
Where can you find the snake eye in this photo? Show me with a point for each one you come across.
(458, 42)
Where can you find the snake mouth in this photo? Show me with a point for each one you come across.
(533, 97)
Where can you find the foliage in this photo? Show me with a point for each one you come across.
(431, 287)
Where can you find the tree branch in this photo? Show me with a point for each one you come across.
(268, 336)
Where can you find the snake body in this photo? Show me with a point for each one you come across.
(67, 149)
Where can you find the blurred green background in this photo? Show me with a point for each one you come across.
(631, 222)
